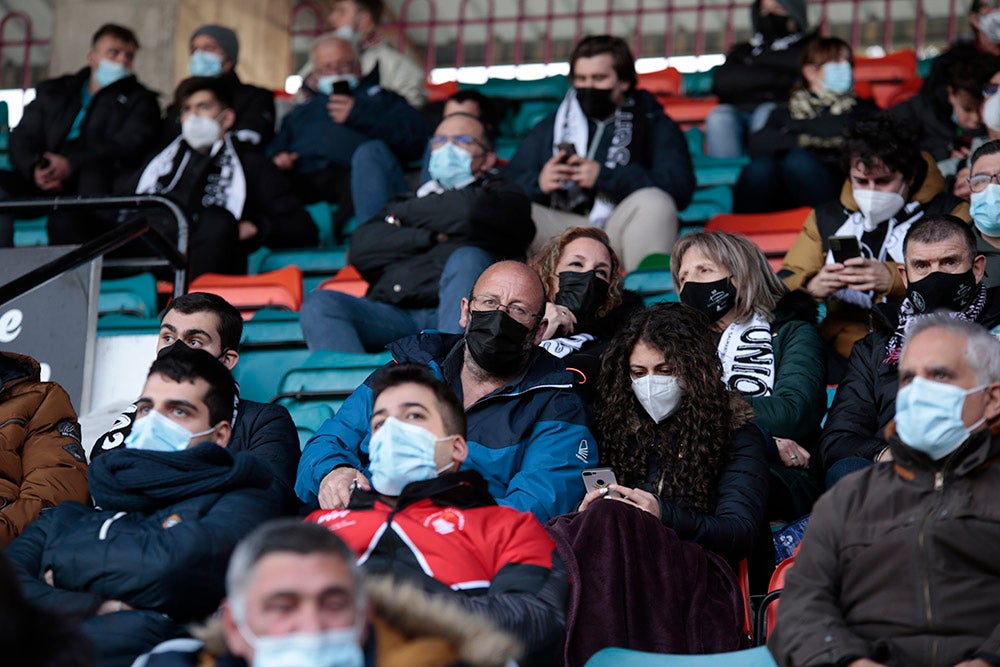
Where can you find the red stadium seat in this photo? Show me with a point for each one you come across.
(769, 605)
(662, 82)
(277, 289)
(689, 112)
(348, 281)
(439, 92)
(888, 80)
(773, 233)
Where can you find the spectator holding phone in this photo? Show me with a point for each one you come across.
(691, 466)
(943, 270)
(771, 353)
(890, 186)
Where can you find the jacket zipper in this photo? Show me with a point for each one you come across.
(928, 611)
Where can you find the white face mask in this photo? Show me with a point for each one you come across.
(328, 648)
(991, 112)
(877, 206)
(200, 131)
(658, 394)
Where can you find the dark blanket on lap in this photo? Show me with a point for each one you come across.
(636, 585)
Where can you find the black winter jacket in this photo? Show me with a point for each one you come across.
(160, 543)
(866, 398)
(403, 262)
(748, 79)
(120, 129)
(659, 156)
(254, 109)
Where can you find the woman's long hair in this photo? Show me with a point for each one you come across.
(691, 446)
(546, 262)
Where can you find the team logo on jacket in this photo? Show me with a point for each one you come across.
(171, 521)
(446, 521)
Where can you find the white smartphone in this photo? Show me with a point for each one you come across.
(599, 478)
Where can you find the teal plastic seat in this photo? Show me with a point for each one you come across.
(649, 282)
(308, 416)
(549, 88)
(259, 371)
(31, 232)
(119, 324)
(707, 203)
(135, 295)
(270, 326)
(718, 170)
(334, 375)
(615, 657)
(698, 84)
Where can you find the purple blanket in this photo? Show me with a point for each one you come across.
(636, 585)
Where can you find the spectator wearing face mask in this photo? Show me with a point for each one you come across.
(215, 50)
(83, 134)
(234, 198)
(984, 190)
(891, 185)
(422, 254)
(609, 157)
(942, 271)
(528, 431)
(796, 155)
(756, 76)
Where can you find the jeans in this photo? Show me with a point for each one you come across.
(376, 177)
(338, 321)
(845, 467)
(727, 127)
(774, 183)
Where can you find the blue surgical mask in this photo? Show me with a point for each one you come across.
(205, 63)
(108, 72)
(929, 417)
(450, 166)
(838, 77)
(401, 453)
(328, 648)
(156, 433)
(325, 83)
(346, 32)
(986, 210)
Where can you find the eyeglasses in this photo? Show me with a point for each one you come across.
(517, 311)
(466, 141)
(979, 182)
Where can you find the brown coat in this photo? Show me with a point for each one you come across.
(843, 326)
(41, 460)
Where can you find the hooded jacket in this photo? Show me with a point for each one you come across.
(530, 439)
(898, 564)
(41, 460)
(118, 131)
(159, 541)
(866, 398)
(449, 536)
(846, 323)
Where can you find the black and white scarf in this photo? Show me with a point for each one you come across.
(908, 315)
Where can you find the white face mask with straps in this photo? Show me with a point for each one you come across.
(878, 206)
(659, 395)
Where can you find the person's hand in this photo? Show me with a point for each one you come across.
(335, 488)
(59, 168)
(285, 160)
(792, 455)
(112, 606)
(826, 282)
(978, 662)
(961, 189)
(339, 107)
(248, 230)
(865, 662)
(585, 171)
(560, 320)
(866, 274)
(554, 173)
(960, 152)
(644, 500)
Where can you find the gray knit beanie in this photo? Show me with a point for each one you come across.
(225, 37)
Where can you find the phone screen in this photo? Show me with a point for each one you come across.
(844, 248)
(341, 88)
(568, 148)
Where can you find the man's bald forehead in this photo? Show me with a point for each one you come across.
(527, 284)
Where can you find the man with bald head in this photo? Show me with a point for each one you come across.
(348, 124)
(421, 254)
(527, 429)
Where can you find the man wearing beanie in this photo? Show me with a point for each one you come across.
(215, 50)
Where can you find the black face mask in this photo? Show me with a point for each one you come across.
(595, 102)
(773, 27)
(952, 291)
(713, 299)
(497, 342)
(582, 292)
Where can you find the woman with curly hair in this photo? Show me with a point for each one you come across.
(652, 556)
(771, 353)
(586, 304)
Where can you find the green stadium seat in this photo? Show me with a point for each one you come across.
(260, 370)
(270, 327)
(120, 324)
(697, 84)
(649, 282)
(754, 657)
(308, 417)
(549, 88)
(31, 232)
(135, 295)
(330, 374)
(708, 202)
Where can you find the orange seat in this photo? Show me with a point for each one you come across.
(890, 68)
(348, 281)
(661, 82)
(277, 289)
(773, 233)
(743, 574)
(885, 94)
(689, 112)
(439, 92)
(769, 605)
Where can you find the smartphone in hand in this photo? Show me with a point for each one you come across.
(567, 147)
(844, 248)
(599, 478)
(341, 88)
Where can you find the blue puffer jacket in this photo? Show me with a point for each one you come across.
(160, 543)
(530, 439)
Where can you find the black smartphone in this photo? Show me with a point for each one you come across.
(599, 478)
(567, 147)
(341, 88)
(844, 248)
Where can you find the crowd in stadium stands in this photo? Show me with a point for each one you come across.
(550, 465)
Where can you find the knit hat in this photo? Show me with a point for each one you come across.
(796, 10)
(225, 37)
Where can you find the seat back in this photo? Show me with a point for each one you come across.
(348, 281)
(615, 657)
(768, 609)
(773, 233)
(661, 83)
(278, 289)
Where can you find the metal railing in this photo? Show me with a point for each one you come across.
(173, 255)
